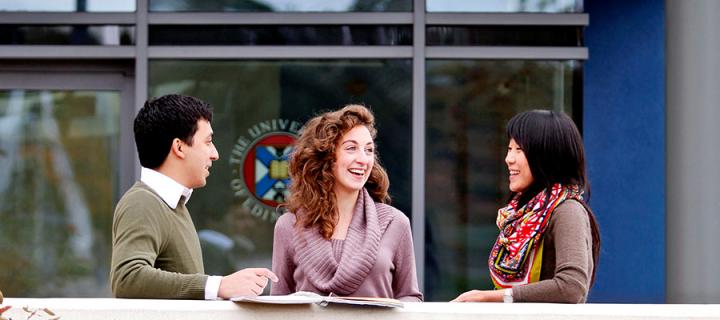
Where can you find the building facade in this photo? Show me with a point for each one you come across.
(443, 77)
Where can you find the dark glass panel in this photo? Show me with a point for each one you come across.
(562, 36)
(63, 35)
(349, 35)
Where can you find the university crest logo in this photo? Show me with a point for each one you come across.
(260, 166)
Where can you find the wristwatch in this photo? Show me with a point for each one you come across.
(507, 296)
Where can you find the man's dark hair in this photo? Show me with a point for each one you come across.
(163, 119)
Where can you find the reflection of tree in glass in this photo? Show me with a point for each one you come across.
(385, 86)
(60, 200)
(468, 104)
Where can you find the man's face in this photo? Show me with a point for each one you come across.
(199, 156)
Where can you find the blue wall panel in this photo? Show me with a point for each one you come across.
(624, 130)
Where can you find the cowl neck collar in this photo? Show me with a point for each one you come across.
(360, 248)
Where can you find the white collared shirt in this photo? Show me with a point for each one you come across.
(171, 192)
(167, 188)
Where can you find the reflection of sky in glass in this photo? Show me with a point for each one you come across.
(274, 5)
(67, 5)
(501, 5)
(308, 5)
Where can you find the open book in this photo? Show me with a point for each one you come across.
(303, 297)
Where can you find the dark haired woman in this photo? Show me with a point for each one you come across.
(549, 242)
(339, 237)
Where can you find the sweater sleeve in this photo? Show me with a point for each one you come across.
(571, 236)
(282, 259)
(138, 234)
(405, 285)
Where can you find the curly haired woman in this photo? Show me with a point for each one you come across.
(339, 236)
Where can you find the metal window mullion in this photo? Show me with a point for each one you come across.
(66, 18)
(279, 18)
(508, 53)
(500, 19)
(418, 139)
(65, 52)
(128, 160)
(60, 80)
(280, 52)
(141, 70)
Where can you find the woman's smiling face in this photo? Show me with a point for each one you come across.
(520, 176)
(354, 160)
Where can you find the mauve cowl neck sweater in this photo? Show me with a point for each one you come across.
(376, 258)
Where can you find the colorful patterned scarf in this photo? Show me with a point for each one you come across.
(516, 256)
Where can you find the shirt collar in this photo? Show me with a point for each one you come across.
(167, 188)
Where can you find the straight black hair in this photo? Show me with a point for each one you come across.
(554, 149)
(163, 119)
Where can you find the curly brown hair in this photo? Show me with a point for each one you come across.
(311, 168)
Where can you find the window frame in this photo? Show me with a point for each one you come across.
(419, 52)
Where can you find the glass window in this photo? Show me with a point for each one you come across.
(504, 6)
(60, 35)
(468, 104)
(58, 182)
(565, 36)
(259, 107)
(68, 5)
(283, 5)
(348, 35)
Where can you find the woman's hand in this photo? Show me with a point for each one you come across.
(480, 296)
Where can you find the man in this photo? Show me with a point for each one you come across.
(156, 249)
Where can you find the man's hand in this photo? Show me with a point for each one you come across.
(246, 282)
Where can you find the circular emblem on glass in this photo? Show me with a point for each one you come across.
(260, 166)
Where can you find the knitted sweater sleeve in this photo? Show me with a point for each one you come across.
(571, 236)
(282, 257)
(405, 285)
(138, 233)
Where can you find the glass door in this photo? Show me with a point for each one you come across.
(64, 160)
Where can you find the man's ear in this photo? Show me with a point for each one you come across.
(177, 148)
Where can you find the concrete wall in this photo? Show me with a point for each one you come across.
(120, 309)
(693, 151)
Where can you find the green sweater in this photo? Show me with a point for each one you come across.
(155, 250)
